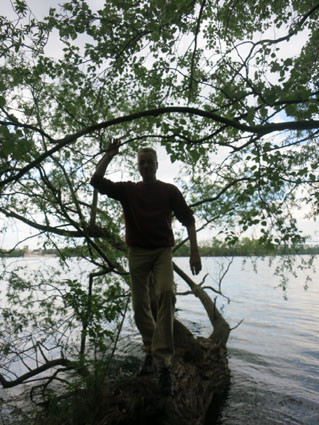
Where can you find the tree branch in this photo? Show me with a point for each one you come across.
(195, 48)
(221, 327)
(48, 365)
(16, 123)
(91, 231)
(234, 123)
(219, 194)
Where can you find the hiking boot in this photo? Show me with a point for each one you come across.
(164, 381)
(147, 366)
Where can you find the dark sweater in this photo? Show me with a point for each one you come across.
(147, 210)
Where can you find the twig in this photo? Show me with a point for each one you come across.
(238, 324)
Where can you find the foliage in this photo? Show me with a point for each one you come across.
(230, 89)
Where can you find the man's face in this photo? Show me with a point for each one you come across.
(147, 166)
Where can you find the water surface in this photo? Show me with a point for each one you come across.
(274, 352)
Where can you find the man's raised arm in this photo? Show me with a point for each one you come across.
(106, 159)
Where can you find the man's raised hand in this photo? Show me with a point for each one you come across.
(113, 147)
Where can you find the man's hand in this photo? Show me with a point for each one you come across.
(113, 147)
(195, 263)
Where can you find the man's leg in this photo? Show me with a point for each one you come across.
(140, 265)
(163, 337)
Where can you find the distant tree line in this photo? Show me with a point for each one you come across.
(24, 251)
(245, 247)
(12, 253)
(210, 248)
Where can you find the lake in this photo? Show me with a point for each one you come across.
(274, 348)
(274, 352)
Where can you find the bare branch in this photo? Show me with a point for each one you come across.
(238, 324)
(46, 366)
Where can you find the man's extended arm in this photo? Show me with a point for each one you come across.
(194, 261)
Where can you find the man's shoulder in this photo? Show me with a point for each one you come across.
(170, 189)
(114, 189)
(166, 185)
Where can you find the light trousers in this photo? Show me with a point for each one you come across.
(157, 334)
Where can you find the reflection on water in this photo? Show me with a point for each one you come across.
(273, 353)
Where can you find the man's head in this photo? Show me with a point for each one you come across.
(147, 164)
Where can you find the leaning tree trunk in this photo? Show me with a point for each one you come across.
(199, 371)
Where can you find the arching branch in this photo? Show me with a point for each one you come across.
(233, 123)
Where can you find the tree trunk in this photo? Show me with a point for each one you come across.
(199, 371)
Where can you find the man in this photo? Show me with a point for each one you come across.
(148, 207)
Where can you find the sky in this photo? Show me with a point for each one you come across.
(167, 171)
